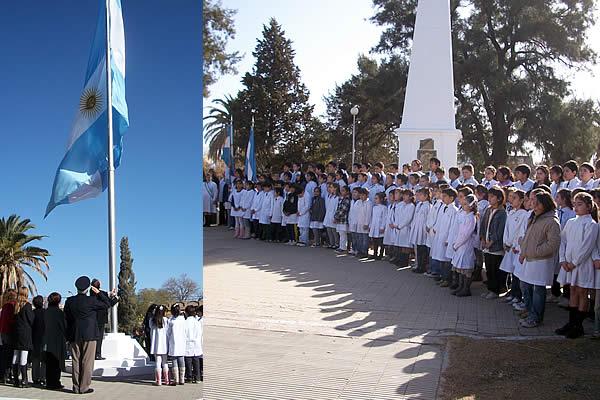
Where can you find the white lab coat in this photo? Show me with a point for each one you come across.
(466, 237)
(441, 229)
(365, 213)
(304, 204)
(418, 234)
(236, 199)
(331, 203)
(432, 218)
(353, 215)
(159, 343)
(453, 232)
(390, 235)
(266, 209)
(257, 205)
(404, 217)
(378, 221)
(177, 336)
(193, 336)
(577, 243)
(209, 196)
(277, 210)
(512, 230)
(247, 199)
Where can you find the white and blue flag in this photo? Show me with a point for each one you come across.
(83, 172)
(227, 154)
(251, 156)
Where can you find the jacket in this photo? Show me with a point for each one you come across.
(542, 237)
(24, 328)
(7, 318)
(80, 313)
(290, 206)
(54, 337)
(317, 209)
(38, 329)
(496, 228)
(343, 208)
(102, 315)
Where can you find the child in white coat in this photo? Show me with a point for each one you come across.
(193, 346)
(404, 217)
(247, 199)
(515, 219)
(363, 222)
(463, 246)
(578, 241)
(441, 229)
(276, 215)
(304, 203)
(177, 344)
(266, 210)
(431, 221)
(418, 230)
(236, 200)
(331, 203)
(353, 220)
(159, 345)
(389, 236)
(255, 210)
(453, 280)
(378, 221)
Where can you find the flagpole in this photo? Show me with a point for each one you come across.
(112, 242)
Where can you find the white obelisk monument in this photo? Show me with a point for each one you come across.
(429, 102)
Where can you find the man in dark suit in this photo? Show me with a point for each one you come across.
(102, 316)
(82, 331)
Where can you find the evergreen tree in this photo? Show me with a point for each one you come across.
(126, 290)
(506, 79)
(278, 100)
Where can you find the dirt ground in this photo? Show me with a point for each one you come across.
(481, 369)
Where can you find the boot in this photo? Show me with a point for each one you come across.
(15, 372)
(246, 234)
(459, 286)
(393, 254)
(166, 376)
(455, 280)
(237, 233)
(175, 380)
(24, 380)
(567, 327)
(577, 328)
(402, 260)
(181, 376)
(157, 380)
(466, 289)
(477, 277)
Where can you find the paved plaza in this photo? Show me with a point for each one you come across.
(108, 388)
(292, 323)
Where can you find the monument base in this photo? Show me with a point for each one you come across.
(445, 145)
(124, 357)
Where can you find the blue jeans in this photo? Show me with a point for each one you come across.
(535, 300)
(434, 266)
(303, 235)
(364, 243)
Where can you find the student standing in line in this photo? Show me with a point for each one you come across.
(404, 219)
(317, 215)
(463, 258)
(159, 345)
(491, 235)
(418, 230)
(340, 218)
(303, 214)
(378, 221)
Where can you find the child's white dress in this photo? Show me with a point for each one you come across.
(378, 221)
(466, 237)
(404, 217)
(577, 243)
(418, 234)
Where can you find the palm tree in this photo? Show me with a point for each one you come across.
(215, 131)
(14, 254)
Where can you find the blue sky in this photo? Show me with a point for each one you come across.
(45, 49)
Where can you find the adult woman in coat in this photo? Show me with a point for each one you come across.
(38, 367)
(24, 337)
(7, 332)
(54, 341)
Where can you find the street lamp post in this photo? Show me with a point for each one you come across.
(354, 112)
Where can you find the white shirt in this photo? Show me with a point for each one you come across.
(573, 183)
(470, 181)
(526, 187)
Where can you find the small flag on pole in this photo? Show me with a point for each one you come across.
(227, 154)
(82, 174)
(251, 155)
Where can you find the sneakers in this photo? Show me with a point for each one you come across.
(515, 300)
(530, 324)
(300, 244)
(523, 314)
(563, 302)
(340, 251)
(552, 299)
(314, 245)
(291, 243)
(491, 296)
(507, 299)
(519, 306)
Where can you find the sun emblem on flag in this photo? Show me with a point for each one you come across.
(91, 102)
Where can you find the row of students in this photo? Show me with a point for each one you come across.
(179, 339)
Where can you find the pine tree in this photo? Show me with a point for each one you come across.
(126, 290)
(274, 94)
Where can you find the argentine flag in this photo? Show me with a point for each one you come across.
(83, 172)
(251, 156)
(227, 154)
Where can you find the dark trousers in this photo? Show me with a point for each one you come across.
(6, 353)
(192, 368)
(515, 287)
(422, 257)
(275, 231)
(496, 278)
(99, 341)
(52, 371)
(291, 232)
(265, 232)
(378, 247)
(222, 214)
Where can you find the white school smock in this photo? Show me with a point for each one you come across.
(418, 234)
(518, 267)
(236, 198)
(378, 221)
(266, 209)
(404, 217)
(257, 205)
(577, 243)
(390, 234)
(200, 341)
(554, 188)
(353, 215)
(192, 337)
(364, 216)
(464, 256)
(309, 189)
(513, 227)
(304, 211)
(374, 190)
(470, 181)
(431, 220)
(489, 184)
(526, 187)
(591, 184)
(323, 187)
(247, 199)
(441, 228)
(573, 184)
(277, 210)
(596, 257)
(453, 232)
(159, 343)
(177, 337)
(331, 203)
(209, 196)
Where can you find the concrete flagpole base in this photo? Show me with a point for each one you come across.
(124, 357)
